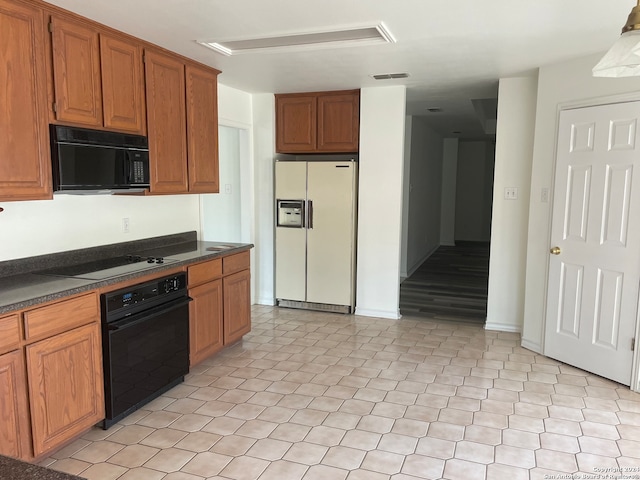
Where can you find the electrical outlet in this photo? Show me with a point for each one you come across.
(125, 225)
(227, 188)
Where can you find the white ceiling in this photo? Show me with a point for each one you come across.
(454, 50)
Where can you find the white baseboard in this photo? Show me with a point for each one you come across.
(419, 263)
(266, 301)
(533, 346)
(502, 327)
(365, 312)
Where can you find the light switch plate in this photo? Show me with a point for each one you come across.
(511, 193)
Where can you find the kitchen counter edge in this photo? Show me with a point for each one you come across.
(66, 287)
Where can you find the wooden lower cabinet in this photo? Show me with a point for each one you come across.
(15, 438)
(205, 321)
(237, 305)
(220, 313)
(65, 386)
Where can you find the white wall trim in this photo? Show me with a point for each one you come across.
(503, 327)
(227, 122)
(533, 346)
(266, 301)
(364, 312)
(596, 101)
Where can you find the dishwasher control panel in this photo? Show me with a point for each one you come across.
(129, 300)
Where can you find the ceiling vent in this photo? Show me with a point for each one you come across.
(367, 35)
(389, 76)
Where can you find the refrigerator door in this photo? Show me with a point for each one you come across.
(330, 237)
(291, 183)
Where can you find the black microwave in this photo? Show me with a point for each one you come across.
(84, 159)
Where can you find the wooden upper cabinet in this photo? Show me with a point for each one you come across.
(76, 72)
(202, 129)
(122, 85)
(25, 168)
(296, 123)
(338, 122)
(166, 121)
(320, 122)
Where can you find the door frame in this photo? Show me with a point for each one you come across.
(572, 105)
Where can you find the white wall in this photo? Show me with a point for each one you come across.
(513, 159)
(382, 124)
(474, 191)
(221, 212)
(424, 193)
(263, 153)
(567, 83)
(448, 201)
(69, 222)
(234, 107)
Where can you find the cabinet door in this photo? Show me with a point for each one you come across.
(338, 122)
(122, 85)
(14, 414)
(205, 321)
(166, 121)
(296, 123)
(202, 129)
(25, 167)
(237, 305)
(76, 73)
(66, 387)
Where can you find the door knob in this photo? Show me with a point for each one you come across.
(555, 251)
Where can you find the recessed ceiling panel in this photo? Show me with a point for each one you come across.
(307, 40)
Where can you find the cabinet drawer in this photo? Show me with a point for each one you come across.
(9, 333)
(45, 321)
(205, 272)
(235, 263)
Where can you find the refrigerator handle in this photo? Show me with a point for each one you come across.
(309, 214)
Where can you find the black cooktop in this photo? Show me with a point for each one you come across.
(93, 266)
(121, 264)
(107, 267)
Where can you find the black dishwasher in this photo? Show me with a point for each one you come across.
(145, 341)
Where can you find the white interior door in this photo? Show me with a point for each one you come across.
(330, 252)
(593, 279)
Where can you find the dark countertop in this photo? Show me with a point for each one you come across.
(12, 469)
(21, 286)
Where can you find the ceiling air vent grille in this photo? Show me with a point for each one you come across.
(367, 35)
(389, 76)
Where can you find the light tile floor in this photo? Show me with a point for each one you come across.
(310, 395)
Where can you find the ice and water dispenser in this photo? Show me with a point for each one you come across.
(290, 213)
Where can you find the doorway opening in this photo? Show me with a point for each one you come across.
(448, 228)
(226, 216)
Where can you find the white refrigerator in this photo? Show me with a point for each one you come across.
(316, 206)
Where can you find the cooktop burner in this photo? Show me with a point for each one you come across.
(107, 267)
